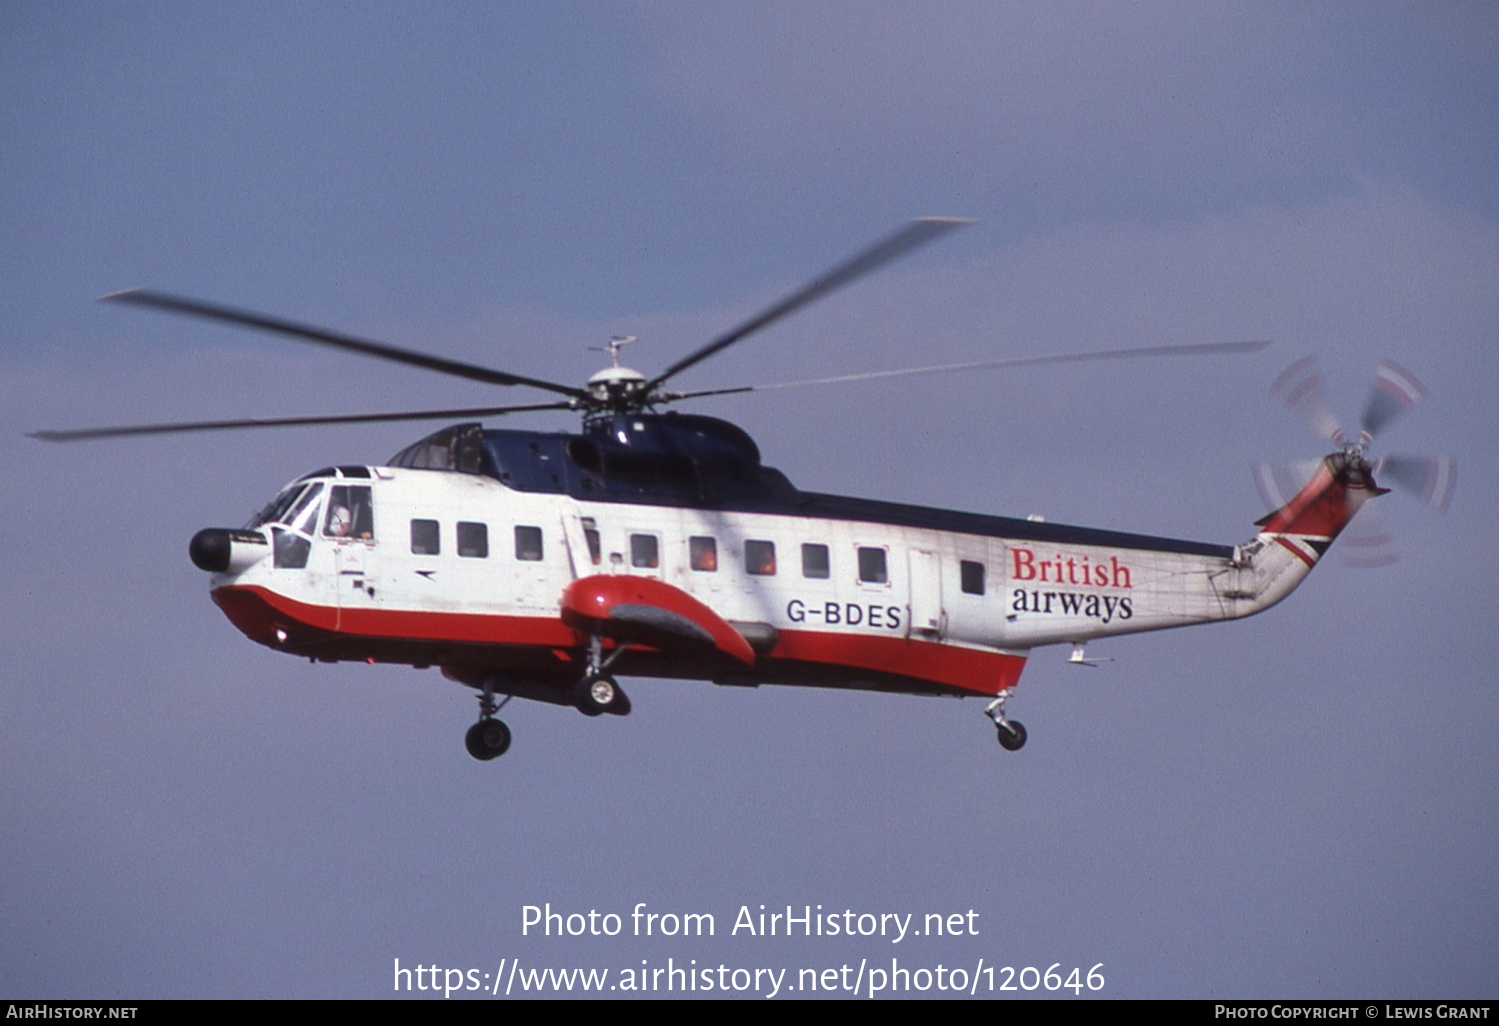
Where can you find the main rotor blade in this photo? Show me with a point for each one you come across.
(85, 434)
(1300, 388)
(322, 336)
(902, 241)
(1394, 391)
(1202, 349)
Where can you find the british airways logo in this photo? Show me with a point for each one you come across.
(1071, 570)
(1078, 570)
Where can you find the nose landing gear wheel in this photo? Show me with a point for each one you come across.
(487, 739)
(1011, 735)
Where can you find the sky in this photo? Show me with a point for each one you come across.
(1296, 805)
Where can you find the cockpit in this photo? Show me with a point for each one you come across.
(303, 508)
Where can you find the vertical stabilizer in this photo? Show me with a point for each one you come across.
(1296, 535)
(1316, 515)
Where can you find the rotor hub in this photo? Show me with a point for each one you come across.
(618, 388)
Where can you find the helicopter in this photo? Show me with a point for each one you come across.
(546, 565)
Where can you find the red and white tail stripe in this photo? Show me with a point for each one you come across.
(1307, 524)
(1305, 548)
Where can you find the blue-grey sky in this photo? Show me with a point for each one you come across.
(1296, 805)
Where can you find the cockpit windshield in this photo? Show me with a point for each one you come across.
(274, 510)
(303, 516)
(293, 515)
(296, 506)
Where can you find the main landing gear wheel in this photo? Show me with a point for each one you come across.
(1011, 735)
(487, 739)
(1011, 732)
(599, 694)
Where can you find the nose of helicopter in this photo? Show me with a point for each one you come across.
(209, 550)
(219, 550)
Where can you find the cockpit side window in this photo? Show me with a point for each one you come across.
(289, 550)
(290, 545)
(350, 513)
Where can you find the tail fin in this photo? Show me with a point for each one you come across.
(1307, 525)
(1294, 537)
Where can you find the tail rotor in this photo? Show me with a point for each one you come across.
(1300, 388)
(1432, 479)
(1395, 390)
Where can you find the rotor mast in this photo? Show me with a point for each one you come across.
(616, 388)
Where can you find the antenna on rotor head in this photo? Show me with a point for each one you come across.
(613, 346)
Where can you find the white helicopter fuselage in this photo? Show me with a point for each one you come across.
(462, 571)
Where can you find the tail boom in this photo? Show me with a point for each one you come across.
(1152, 590)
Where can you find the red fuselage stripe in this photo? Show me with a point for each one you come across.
(259, 612)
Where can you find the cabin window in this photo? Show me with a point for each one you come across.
(424, 538)
(350, 513)
(760, 558)
(872, 569)
(815, 561)
(703, 553)
(528, 544)
(972, 575)
(473, 540)
(645, 551)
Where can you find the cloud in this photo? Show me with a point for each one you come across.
(1081, 108)
(1032, 86)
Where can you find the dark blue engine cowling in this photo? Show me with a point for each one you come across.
(623, 457)
(671, 444)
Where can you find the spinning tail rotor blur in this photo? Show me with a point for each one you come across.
(1395, 390)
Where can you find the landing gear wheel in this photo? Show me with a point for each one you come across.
(487, 739)
(594, 695)
(1011, 732)
(1011, 735)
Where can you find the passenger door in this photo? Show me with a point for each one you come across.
(928, 618)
